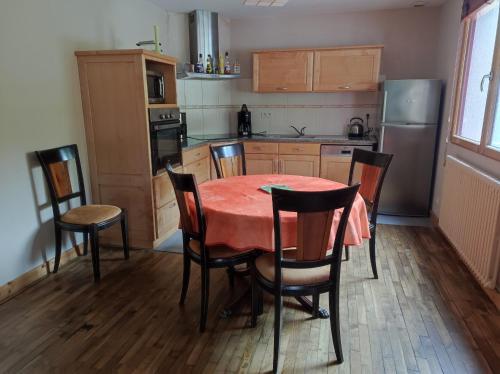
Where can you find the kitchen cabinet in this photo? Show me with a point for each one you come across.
(305, 165)
(283, 71)
(336, 168)
(261, 164)
(347, 69)
(197, 161)
(115, 111)
(337, 69)
(282, 158)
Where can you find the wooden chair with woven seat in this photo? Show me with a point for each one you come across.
(229, 159)
(86, 219)
(370, 168)
(309, 269)
(193, 239)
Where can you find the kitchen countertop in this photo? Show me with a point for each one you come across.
(194, 141)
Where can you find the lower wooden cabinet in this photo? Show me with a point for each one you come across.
(336, 168)
(305, 165)
(167, 219)
(200, 169)
(261, 164)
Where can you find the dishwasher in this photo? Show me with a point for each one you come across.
(336, 161)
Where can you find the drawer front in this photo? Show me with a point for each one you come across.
(261, 147)
(163, 190)
(299, 149)
(200, 168)
(167, 218)
(196, 154)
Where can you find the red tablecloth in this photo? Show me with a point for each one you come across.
(240, 215)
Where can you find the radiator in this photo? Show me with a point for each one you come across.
(470, 218)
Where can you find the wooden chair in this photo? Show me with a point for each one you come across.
(229, 159)
(87, 219)
(193, 238)
(372, 168)
(308, 269)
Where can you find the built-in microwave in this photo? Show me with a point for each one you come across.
(156, 87)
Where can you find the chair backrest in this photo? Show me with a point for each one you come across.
(185, 184)
(315, 215)
(55, 168)
(229, 159)
(371, 169)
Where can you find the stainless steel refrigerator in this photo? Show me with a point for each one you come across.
(409, 129)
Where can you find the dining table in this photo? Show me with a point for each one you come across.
(239, 214)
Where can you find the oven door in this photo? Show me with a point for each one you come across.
(165, 146)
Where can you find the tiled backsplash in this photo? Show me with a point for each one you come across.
(211, 108)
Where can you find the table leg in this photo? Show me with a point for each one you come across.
(308, 306)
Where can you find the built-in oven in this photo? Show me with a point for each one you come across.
(165, 130)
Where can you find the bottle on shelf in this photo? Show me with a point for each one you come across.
(236, 67)
(209, 69)
(199, 68)
(227, 64)
(222, 65)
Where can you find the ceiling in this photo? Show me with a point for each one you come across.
(235, 8)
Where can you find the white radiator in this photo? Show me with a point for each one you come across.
(470, 218)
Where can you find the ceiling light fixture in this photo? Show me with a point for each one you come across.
(265, 3)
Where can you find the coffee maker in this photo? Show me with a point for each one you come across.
(244, 122)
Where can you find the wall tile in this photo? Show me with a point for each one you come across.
(194, 119)
(210, 92)
(181, 92)
(193, 92)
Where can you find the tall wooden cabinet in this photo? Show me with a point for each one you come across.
(336, 69)
(115, 108)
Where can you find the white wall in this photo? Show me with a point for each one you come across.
(40, 103)
(409, 37)
(448, 47)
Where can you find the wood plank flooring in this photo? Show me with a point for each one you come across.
(424, 315)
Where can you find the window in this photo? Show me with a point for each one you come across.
(476, 113)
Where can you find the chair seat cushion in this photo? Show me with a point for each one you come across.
(89, 214)
(218, 251)
(299, 277)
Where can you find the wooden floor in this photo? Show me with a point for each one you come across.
(424, 315)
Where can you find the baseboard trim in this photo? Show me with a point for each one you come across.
(21, 283)
(434, 219)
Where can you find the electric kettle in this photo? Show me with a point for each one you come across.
(355, 128)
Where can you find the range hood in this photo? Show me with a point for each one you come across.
(204, 40)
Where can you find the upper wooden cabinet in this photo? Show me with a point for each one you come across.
(349, 69)
(317, 70)
(283, 71)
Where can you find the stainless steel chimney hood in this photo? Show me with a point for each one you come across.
(204, 40)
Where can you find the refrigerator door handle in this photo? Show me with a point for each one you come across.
(381, 145)
(384, 109)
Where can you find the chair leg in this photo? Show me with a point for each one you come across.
(315, 300)
(94, 247)
(230, 274)
(372, 255)
(57, 258)
(124, 224)
(347, 253)
(205, 283)
(185, 277)
(335, 324)
(278, 323)
(85, 244)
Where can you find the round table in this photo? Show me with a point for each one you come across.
(240, 215)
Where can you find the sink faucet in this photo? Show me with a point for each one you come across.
(300, 132)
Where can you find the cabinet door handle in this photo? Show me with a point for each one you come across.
(282, 88)
(344, 87)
